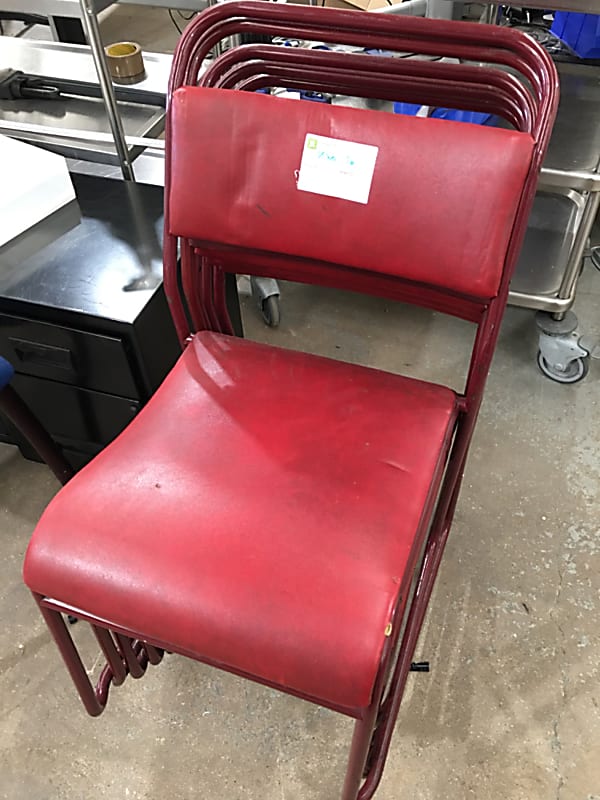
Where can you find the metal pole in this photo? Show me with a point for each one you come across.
(490, 15)
(440, 9)
(92, 31)
(579, 246)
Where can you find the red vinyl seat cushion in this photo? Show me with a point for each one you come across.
(258, 514)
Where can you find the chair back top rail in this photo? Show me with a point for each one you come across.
(437, 93)
(463, 40)
(468, 87)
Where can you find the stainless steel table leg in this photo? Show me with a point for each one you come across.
(567, 288)
(490, 15)
(440, 9)
(563, 353)
(92, 31)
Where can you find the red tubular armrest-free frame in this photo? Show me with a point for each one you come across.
(161, 543)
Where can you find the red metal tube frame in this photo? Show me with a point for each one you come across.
(458, 85)
(202, 298)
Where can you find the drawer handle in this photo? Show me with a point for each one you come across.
(42, 355)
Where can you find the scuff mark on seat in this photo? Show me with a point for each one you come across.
(395, 465)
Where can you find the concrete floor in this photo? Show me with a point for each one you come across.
(511, 709)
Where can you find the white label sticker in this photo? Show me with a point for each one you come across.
(337, 168)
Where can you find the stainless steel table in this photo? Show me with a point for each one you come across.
(71, 8)
(42, 122)
(87, 11)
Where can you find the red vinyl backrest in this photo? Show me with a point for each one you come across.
(440, 206)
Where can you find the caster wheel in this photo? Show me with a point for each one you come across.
(271, 311)
(576, 370)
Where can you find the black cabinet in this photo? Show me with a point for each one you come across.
(83, 315)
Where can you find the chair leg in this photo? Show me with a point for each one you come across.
(362, 738)
(112, 655)
(65, 644)
(155, 655)
(134, 666)
(124, 655)
(382, 726)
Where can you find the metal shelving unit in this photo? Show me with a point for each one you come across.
(563, 216)
(87, 11)
(45, 122)
(568, 201)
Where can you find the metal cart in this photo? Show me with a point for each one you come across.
(560, 225)
(563, 214)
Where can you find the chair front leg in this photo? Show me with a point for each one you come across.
(54, 620)
(364, 730)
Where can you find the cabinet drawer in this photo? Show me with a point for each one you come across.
(78, 419)
(81, 358)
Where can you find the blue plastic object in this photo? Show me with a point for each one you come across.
(315, 97)
(580, 32)
(474, 117)
(6, 372)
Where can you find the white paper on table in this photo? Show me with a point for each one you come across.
(35, 184)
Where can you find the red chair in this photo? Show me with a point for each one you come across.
(279, 515)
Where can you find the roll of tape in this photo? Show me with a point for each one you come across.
(125, 62)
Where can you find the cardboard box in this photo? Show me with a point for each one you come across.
(360, 5)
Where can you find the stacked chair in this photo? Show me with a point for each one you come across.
(279, 515)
